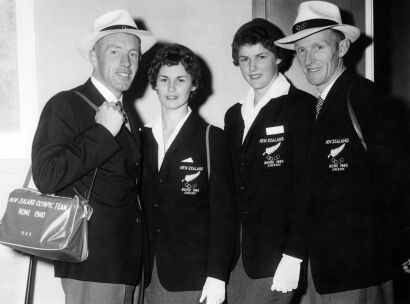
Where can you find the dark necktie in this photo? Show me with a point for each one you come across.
(119, 103)
(319, 105)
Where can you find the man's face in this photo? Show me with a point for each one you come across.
(319, 56)
(115, 60)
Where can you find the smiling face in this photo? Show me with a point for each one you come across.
(259, 66)
(115, 59)
(174, 86)
(320, 57)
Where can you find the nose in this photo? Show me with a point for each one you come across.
(308, 58)
(252, 65)
(125, 60)
(171, 86)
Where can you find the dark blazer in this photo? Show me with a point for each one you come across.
(190, 218)
(67, 147)
(270, 175)
(346, 185)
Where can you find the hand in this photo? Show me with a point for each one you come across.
(286, 277)
(110, 117)
(213, 291)
(406, 266)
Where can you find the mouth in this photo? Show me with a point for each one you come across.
(312, 70)
(171, 97)
(255, 76)
(124, 74)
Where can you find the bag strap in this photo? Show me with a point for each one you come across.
(354, 120)
(87, 100)
(92, 105)
(208, 153)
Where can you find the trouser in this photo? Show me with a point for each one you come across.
(244, 290)
(370, 295)
(157, 294)
(83, 292)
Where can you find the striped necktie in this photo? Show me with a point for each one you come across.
(319, 105)
(119, 103)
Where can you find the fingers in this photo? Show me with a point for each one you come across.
(203, 295)
(215, 299)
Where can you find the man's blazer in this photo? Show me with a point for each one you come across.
(67, 147)
(346, 186)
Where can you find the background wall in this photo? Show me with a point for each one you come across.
(207, 27)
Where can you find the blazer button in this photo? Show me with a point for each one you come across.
(158, 230)
(156, 205)
(242, 187)
(137, 163)
(245, 212)
(138, 220)
(161, 180)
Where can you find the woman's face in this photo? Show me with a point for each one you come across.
(259, 66)
(174, 85)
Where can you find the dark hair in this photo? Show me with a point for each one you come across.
(173, 54)
(258, 31)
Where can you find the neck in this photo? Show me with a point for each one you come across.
(339, 70)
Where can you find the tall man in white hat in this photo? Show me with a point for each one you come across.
(72, 140)
(346, 159)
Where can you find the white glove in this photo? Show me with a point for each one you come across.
(213, 291)
(286, 277)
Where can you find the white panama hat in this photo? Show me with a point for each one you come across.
(118, 21)
(316, 16)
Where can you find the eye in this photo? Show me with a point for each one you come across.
(114, 52)
(262, 56)
(300, 50)
(181, 80)
(134, 55)
(243, 59)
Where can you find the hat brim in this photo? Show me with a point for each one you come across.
(87, 43)
(351, 32)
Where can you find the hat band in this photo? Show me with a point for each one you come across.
(119, 27)
(311, 24)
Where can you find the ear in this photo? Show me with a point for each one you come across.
(343, 47)
(278, 60)
(193, 88)
(92, 55)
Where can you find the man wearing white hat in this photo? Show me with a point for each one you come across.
(72, 140)
(347, 162)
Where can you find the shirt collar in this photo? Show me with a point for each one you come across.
(323, 95)
(279, 87)
(157, 131)
(104, 91)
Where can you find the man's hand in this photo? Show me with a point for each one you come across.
(213, 291)
(406, 266)
(287, 274)
(110, 117)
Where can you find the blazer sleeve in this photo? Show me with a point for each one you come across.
(222, 212)
(301, 126)
(62, 151)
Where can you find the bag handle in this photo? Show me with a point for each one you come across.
(208, 153)
(353, 118)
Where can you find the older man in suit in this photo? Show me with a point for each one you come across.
(347, 161)
(72, 141)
